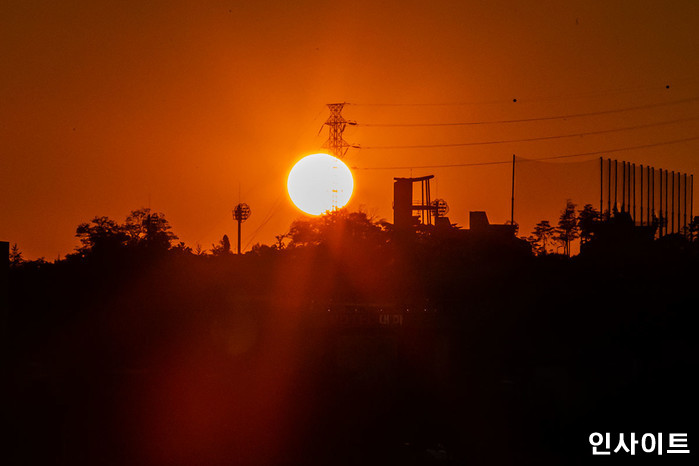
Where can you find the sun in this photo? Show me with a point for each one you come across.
(319, 183)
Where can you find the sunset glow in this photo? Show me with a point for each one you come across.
(320, 182)
(190, 274)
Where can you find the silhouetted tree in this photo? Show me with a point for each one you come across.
(516, 225)
(259, 249)
(199, 251)
(15, 256)
(182, 248)
(540, 237)
(141, 229)
(222, 248)
(335, 227)
(567, 229)
(693, 228)
(148, 229)
(280, 241)
(100, 235)
(588, 218)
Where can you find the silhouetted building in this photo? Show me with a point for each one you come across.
(620, 232)
(403, 203)
(494, 239)
(480, 226)
(408, 213)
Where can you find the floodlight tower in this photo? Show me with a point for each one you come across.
(241, 212)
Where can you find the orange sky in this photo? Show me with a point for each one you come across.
(111, 106)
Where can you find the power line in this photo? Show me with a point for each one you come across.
(501, 162)
(522, 120)
(272, 211)
(430, 104)
(542, 138)
(515, 100)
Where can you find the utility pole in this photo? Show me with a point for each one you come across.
(640, 210)
(651, 200)
(660, 202)
(609, 188)
(672, 204)
(650, 189)
(691, 198)
(601, 184)
(684, 212)
(632, 199)
(623, 186)
(512, 206)
(666, 203)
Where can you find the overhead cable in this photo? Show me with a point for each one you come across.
(542, 138)
(544, 118)
(501, 162)
(605, 92)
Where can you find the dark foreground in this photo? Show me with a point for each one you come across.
(326, 356)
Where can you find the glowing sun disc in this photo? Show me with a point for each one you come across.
(319, 183)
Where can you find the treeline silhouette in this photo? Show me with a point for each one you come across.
(136, 349)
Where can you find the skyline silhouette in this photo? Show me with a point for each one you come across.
(349, 343)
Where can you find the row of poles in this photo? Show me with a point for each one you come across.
(671, 195)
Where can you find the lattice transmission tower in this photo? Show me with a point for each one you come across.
(336, 124)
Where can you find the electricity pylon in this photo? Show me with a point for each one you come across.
(336, 124)
(337, 145)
